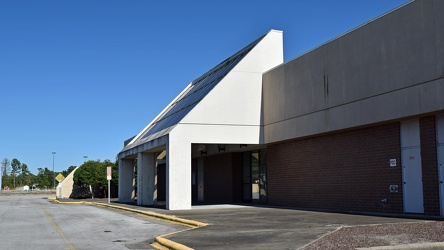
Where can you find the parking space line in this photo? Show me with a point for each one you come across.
(59, 230)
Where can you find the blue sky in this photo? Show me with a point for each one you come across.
(80, 77)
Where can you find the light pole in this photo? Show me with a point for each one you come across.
(85, 158)
(53, 173)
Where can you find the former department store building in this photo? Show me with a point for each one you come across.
(356, 124)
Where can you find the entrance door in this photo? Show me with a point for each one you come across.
(440, 143)
(411, 167)
(259, 176)
(412, 175)
(254, 176)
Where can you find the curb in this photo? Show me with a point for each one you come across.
(190, 223)
(160, 242)
(171, 244)
(67, 202)
(433, 245)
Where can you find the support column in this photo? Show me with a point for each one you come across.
(178, 174)
(126, 180)
(146, 173)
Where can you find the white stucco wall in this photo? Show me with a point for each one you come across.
(230, 114)
(64, 188)
(237, 99)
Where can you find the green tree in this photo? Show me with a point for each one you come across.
(44, 178)
(68, 171)
(44, 182)
(25, 176)
(15, 168)
(93, 174)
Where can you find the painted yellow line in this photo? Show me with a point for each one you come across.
(68, 202)
(59, 230)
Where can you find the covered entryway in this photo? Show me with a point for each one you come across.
(224, 105)
(224, 174)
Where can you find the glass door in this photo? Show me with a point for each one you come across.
(259, 176)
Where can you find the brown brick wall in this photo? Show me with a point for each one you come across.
(347, 171)
(429, 165)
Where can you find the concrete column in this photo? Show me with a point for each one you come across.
(126, 180)
(178, 174)
(146, 173)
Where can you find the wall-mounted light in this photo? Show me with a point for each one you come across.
(221, 147)
(202, 149)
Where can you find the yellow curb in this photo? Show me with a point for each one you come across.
(186, 222)
(66, 202)
(160, 242)
(171, 244)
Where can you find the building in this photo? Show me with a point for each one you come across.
(356, 124)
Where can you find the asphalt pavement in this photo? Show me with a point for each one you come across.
(259, 227)
(32, 222)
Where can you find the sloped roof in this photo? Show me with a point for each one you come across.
(189, 98)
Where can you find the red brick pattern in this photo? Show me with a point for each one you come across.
(346, 171)
(429, 165)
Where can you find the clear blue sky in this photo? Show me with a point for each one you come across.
(80, 77)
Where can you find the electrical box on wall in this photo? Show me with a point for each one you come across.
(392, 162)
(393, 188)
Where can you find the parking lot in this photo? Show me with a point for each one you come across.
(33, 222)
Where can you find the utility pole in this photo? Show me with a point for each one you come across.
(53, 173)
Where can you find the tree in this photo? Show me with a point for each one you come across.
(6, 166)
(92, 174)
(25, 175)
(43, 178)
(6, 179)
(15, 168)
(68, 171)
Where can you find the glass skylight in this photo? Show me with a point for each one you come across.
(196, 92)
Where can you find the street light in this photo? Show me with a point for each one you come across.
(53, 173)
(85, 157)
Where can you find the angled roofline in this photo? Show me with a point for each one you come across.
(159, 115)
(140, 137)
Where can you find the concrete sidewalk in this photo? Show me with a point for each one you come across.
(258, 227)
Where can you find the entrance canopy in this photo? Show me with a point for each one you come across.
(223, 105)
